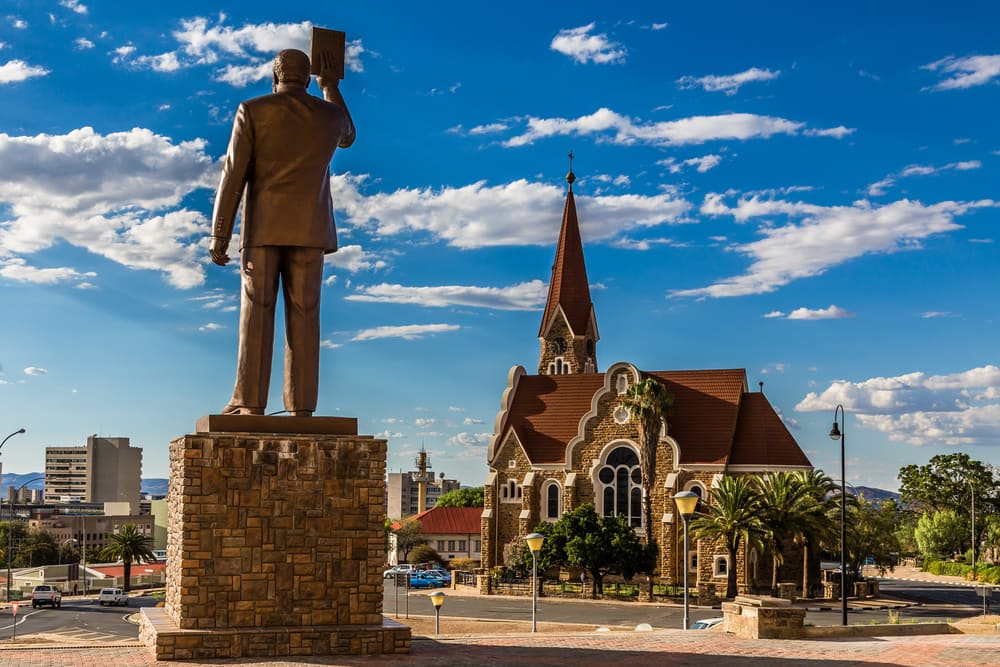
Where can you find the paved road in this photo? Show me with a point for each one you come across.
(79, 619)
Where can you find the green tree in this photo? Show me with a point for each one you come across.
(648, 403)
(733, 518)
(408, 535)
(824, 518)
(939, 534)
(871, 534)
(947, 482)
(600, 545)
(464, 497)
(11, 532)
(129, 546)
(786, 514)
(425, 553)
(37, 548)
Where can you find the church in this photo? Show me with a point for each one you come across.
(562, 438)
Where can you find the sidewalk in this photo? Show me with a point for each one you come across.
(664, 647)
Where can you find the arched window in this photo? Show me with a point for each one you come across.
(620, 485)
(552, 499)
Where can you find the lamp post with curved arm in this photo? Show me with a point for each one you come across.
(838, 433)
(10, 527)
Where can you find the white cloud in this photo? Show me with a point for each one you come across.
(824, 236)
(20, 24)
(16, 268)
(966, 72)
(35, 370)
(523, 296)
(17, 70)
(838, 132)
(729, 83)
(421, 422)
(211, 326)
(516, 213)
(830, 313)
(241, 55)
(583, 46)
(955, 409)
(74, 5)
(613, 127)
(642, 244)
(472, 446)
(469, 421)
(388, 435)
(774, 314)
(701, 164)
(329, 344)
(878, 188)
(658, 26)
(406, 331)
(489, 128)
(353, 258)
(931, 314)
(108, 194)
(82, 43)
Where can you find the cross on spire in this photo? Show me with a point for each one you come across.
(570, 177)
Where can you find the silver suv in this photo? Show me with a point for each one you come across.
(46, 594)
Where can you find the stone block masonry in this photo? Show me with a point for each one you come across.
(275, 548)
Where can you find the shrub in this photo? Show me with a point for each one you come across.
(466, 564)
(948, 568)
(425, 553)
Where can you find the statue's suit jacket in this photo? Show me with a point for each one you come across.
(278, 162)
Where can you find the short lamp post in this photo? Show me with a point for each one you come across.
(534, 541)
(437, 599)
(687, 503)
(837, 433)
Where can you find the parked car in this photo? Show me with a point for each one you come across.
(417, 581)
(402, 568)
(707, 623)
(443, 577)
(46, 594)
(112, 597)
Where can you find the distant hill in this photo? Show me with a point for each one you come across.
(874, 495)
(16, 480)
(156, 486)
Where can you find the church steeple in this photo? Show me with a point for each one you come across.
(568, 332)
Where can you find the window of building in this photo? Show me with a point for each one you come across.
(477, 545)
(621, 384)
(620, 485)
(451, 545)
(440, 546)
(720, 566)
(512, 463)
(552, 497)
(461, 545)
(693, 561)
(558, 367)
(621, 415)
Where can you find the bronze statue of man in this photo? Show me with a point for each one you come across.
(278, 163)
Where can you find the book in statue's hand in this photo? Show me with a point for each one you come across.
(327, 57)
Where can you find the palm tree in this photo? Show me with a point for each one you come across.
(733, 517)
(648, 403)
(822, 525)
(129, 545)
(785, 506)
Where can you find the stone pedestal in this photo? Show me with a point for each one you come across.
(275, 543)
(763, 618)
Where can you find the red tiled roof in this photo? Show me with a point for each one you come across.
(714, 420)
(762, 438)
(706, 407)
(569, 287)
(546, 412)
(448, 521)
(137, 569)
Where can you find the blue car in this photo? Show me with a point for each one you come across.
(417, 581)
(441, 578)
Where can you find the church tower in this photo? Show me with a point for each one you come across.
(568, 333)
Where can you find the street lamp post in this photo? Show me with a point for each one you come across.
(534, 541)
(10, 522)
(972, 492)
(437, 599)
(687, 502)
(838, 433)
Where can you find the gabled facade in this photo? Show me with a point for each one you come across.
(562, 438)
(452, 531)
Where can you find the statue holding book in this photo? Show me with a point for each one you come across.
(278, 165)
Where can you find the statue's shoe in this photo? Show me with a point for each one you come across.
(240, 410)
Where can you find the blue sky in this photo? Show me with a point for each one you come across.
(806, 191)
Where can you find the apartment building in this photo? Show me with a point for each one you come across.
(104, 470)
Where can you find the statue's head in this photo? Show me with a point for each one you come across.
(291, 66)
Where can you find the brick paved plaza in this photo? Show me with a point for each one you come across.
(663, 647)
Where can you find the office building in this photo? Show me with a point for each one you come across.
(104, 470)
